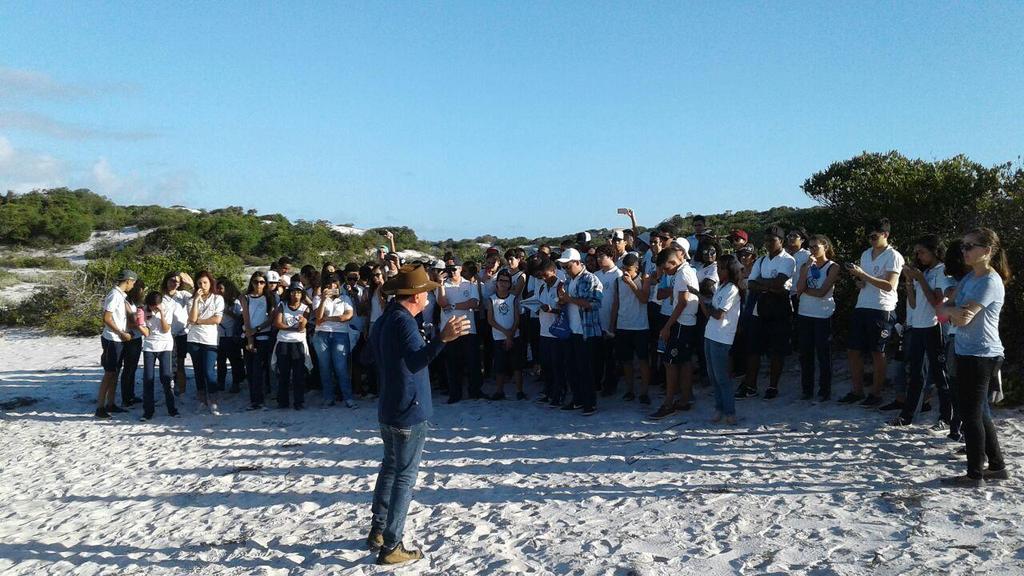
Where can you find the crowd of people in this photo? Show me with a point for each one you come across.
(614, 318)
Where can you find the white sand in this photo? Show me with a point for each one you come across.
(505, 488)
(76, 254)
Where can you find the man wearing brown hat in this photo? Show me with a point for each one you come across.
(402, 356)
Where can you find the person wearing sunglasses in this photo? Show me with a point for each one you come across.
(814, 287)
(256, 324)
(174, 290)
(872, 324)
(979, 352)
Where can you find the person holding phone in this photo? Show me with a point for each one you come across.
(333, 310)
(256, 322)
(815, 287)
(115, 335)
(872, 323)
(204, 315)
(457, 296)
(157, 348)
(554, 352)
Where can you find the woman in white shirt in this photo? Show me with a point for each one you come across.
(134, 301)
(158, 347)
(229, 344)
(291, 352)
(204, 314)
(333, 311)
(723, 312)
(815, 285)
(257, 304)
(175, 303)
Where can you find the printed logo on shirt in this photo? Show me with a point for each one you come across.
(503, 308)
(465, 293)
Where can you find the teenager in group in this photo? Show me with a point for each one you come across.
(333, 311)
(607, 274)
(699, 224)
(115, 334)
(175, 303)
(706, 267)
(291, 352)
(457, 296)
(229, 343)
(957, 270)
(157, 348)
(723, 313)
(284, 268)
(680, 336)
(205, 312)
(738, 239)
(796, 246)
(617, 243)
(581, 296)
(926, 288)
(135, 301)
(871, 325)
(376, 299)
(554, 351)
(975, 313)
(815, 287)
(769, 333)
(661, 295)
(503, 318)
(629, 327)
(257, 305)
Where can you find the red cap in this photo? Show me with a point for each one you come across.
(740, 234)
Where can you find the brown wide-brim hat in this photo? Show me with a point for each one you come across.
(411, 279)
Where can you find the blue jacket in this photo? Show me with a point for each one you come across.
(402, 355)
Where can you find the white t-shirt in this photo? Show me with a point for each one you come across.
(290, 318)
(766, 268)
(800, 256)
(685, 279)
(668, 303)
(376, 306)
(115, 302)
(457, 294)
(575, 316)
(488, 286)
(333, 307)
(157, 341)
(258, 314)
(922, 315)
(632, 314)
(709, 272)
(607, 279)
(870, 295)
(818, 306)
(532, 284)
(231, 325)
(649, 268)
(505, 311)
(211, 307)
(177, 307)
(547, 295)
(358, 322)
(723, 330)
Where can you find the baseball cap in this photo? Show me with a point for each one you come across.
(273, 277)
(126, 274)
(582, 237)
(617, 235)
(438, 264)
(739, 234)
(492, 250)
(682, 243)
(570, 255)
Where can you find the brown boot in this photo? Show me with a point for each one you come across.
(398, 555)
(375, 541)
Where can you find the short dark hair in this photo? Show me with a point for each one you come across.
(933, 244)
(698, 218)
(605, 250)
(630, 259)
(880, 225)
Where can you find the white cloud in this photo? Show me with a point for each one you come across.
(24, 170)
(42, 124)
(28, 84)
(166, 188)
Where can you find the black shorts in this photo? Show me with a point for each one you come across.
(508, 361)
(870, 330)
(630, 344)
(682, 344)
(769, 337)
(113, 355)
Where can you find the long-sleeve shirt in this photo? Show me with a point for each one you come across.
(402, 355)
(587, 287)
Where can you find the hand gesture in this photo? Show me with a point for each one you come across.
(389, 235)
(301, 323)
(629, 281)
(456, 327)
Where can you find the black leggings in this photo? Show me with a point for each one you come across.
(973, 376)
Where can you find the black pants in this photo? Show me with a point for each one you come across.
(532, 337)
(257, 365)
(132, 353)
(815, 338)
(581, 369)
(463, 358)
(229, 349)
(291, 373)
(553, 356)
(974, 374)
(919, 343)
(605, 369)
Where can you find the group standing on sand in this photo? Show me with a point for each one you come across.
(581, 318)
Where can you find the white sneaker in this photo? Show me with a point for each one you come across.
(213, 409)
(350, 404)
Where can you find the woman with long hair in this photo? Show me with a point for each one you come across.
(290, 319)
(204, 314)
(956, 269)
(814, 288)
(723, 313)
(135, 303)
(333, 311)
(229, 345)
(158, 348)
(257, 303)
(175, 304)
(979, 351)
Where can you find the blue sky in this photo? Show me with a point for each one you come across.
(514, 118)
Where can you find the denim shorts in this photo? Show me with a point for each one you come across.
(870, 330)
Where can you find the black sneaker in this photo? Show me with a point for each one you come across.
(570, 406)
(681, 406)
(115, 409)
(964, 481)
(645, 399)
(254, 407)
(520, 395)
(103, 414)
(771, 392)
(146, 418)
(542, 399)
(894, 405)
(662, 412)
(629, 396)
(992, 475)
(806, 396)
(926, 407)
(939, 427)
(555, 403)
(607, 393)
(174, 414)
(824, 397)
(454, 400)
(898, 421)
(742, 393)
(497, 396)
(589, 411)
(871, 401)
(851, 398)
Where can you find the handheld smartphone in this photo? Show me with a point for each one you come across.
(849, 265)
(623, 211)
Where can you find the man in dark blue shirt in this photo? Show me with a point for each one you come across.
(402, 354)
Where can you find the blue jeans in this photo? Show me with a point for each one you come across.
(149, 360)
(403, 448)
(204, 365)
(921, 343)
(332, 352)
(717, 355)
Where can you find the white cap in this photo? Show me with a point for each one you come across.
(439, 264)
(617, 234)
(570, 255)
(273, 277)
(683, 244)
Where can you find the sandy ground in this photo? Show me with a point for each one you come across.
(505, 488)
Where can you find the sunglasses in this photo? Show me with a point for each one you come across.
(261, 281)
